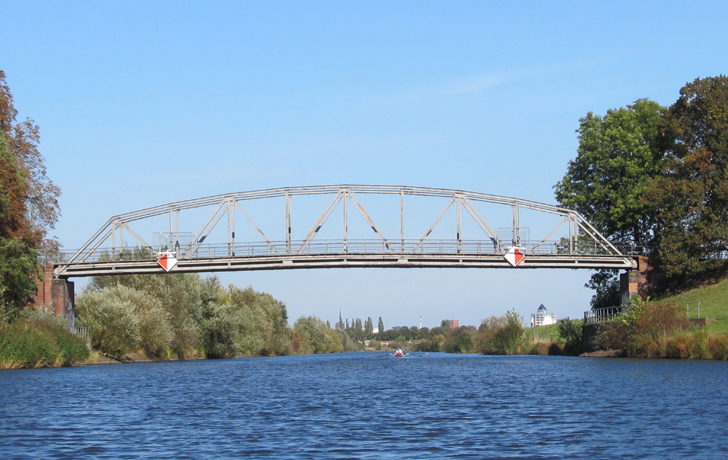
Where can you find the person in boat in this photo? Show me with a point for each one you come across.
(398, 352)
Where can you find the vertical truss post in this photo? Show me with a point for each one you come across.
(346, 220)
(288, 222)
(573, 232)
(458, 208)
(176, 231)
(401, 206)
(231, 228)
(113, 239)
(516, 226)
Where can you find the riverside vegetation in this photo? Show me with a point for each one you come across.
(662, 329)
(647, 329)
(39, 338)
(182, 316)
(28, 209)
(496, 335)
(648, 176)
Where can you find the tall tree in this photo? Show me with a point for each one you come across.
(358, 331)
(368, 328)
(28, 207)
(691, 198)
(616, 156)
(607, 181)
(34, 206)
(380, 325)
(18, 266)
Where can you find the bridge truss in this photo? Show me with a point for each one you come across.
(204, 235)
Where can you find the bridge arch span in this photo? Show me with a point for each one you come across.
(342, 226)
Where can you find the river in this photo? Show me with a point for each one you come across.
(369, 406)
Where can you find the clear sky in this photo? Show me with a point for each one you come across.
(146, 103)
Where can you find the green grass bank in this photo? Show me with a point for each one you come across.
(710, 300)
(38, 340)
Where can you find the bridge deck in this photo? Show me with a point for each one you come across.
(330, 254)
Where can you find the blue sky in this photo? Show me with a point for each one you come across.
(145, 103)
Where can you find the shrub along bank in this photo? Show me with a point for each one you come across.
(179, 316)
(660, 330)
(501, 335)
(647, 329)
(38, 339)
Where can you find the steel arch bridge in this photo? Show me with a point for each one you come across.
(208, 234)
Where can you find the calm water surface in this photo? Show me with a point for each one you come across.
(363, 406)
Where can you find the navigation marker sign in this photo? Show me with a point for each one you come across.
(514, 256)
(167, 261)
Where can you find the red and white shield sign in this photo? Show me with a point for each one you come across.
(167, 261)
(514, 256)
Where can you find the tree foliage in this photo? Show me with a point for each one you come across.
(18, 268)
(617, 155)
(650, 329)
(606, 286)
(572, 333)
(509, 339)
(28, 208)
(183, 315)
(691, 197)
(463, 340)
(33, 199)
(312, 336)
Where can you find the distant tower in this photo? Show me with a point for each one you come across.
(340, 324)
(420, 321)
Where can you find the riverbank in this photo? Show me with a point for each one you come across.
(39, 340)
(97, 358)
(603, 354)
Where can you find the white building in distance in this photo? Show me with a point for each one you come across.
(542, 317)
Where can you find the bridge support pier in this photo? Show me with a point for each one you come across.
(634, 282)
(59, 294)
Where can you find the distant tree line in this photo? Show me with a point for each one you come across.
(656, 178)
(496, 335)
(357, 330)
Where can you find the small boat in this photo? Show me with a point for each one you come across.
(398, 353)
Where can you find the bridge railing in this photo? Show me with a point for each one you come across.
(82, 332)
(600, 315)
(331, 247)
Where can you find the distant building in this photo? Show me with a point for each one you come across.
(542, 317)
(454, 323)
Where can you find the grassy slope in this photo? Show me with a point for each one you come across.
(713, 304)
(713, 300)
(547, 333)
